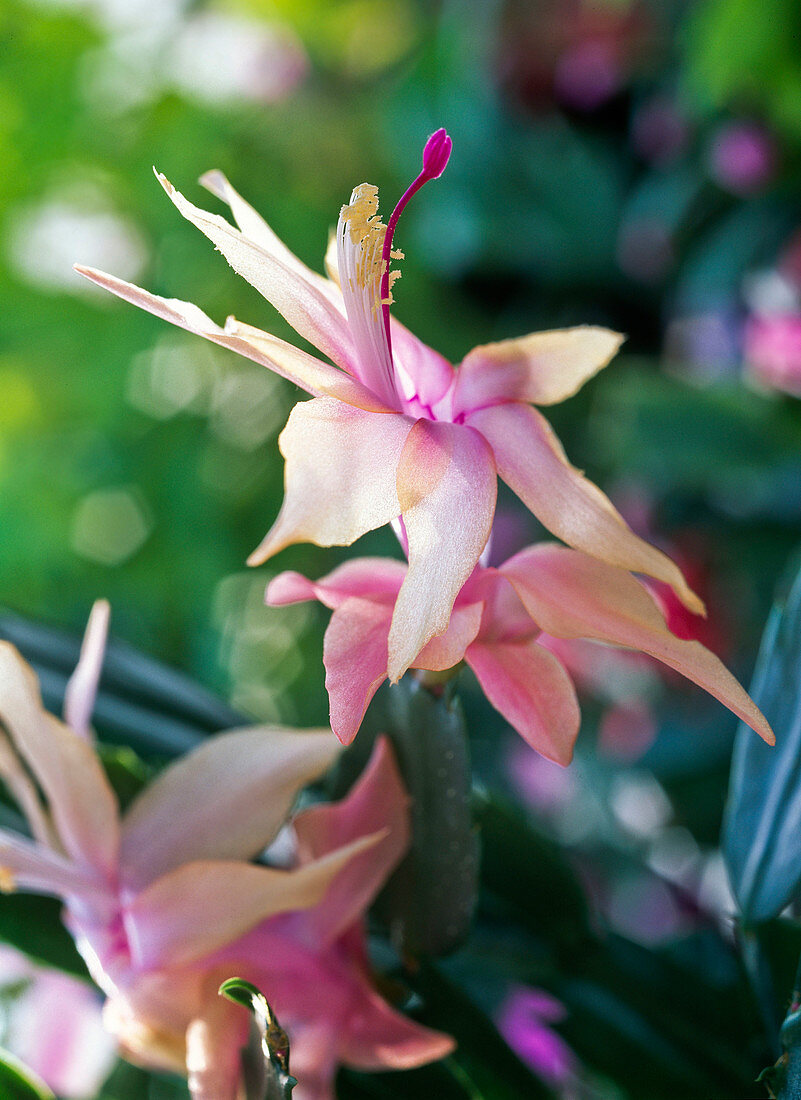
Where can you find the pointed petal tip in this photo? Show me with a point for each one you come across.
(213, 181)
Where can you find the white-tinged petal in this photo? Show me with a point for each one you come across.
(26, 865)
(340, 477)
(446, 487)
(310, 312)
(225, 800)
(542, 368)
(304, 370)
(81, 802)
(79, 697)
(532, 462)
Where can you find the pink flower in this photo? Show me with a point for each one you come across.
(54, 1026)
(772, 349)
(524, 1020)
(393, 434)
(495, 627)
(163, 900)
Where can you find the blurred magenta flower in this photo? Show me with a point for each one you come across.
(525, 1020)
(164, 903)
(772, 351)
(497, 620)
(393, 434)
(743, 157)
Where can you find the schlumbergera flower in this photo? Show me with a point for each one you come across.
(164, 901)
(496, 626)
(393, 434)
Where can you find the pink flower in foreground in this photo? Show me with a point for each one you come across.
(393, 434)
(54, 1026)
(164, 903)
(497, 619)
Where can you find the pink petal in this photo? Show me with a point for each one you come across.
(340, 475)
(449, 648)
(355, 659)
(429, 373)
(370, 578)
(532, 691)
(542, 368)
(31, 867)
(201, 907)
(312, 375)
(379, 1038)
(225, 800)
(532, 462)
(79, 697)
(446, 487)
(214, 1043)
(377, 801)
(572, 595)
(82, 804)
(309, 311)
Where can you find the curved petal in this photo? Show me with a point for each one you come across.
(340, 475)
(29, 866)
(446, 487)
(532, 462)
(225, 800)
(81, 802)
(202, 906)
(449, 648)
(572, 595)
(312, 375)
(542, 368)
(355, 659)
(429, 373)
(309, 311)
(379, 1038)
(377, 801)
(214, 1043)
(531, 689)
(368, 578)
(79, 697)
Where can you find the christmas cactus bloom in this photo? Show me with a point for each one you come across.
(497, 619)
(393, 434)
(164, 901)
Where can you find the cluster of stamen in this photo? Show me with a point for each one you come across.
(367, 232)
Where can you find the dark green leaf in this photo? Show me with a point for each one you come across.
(763, 817)
(33, 924)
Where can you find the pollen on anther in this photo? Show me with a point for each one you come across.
(8, 882)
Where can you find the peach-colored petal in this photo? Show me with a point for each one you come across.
(381, 1038)
(340, 475)
(214, 1043)
(446, 487)
(310, 312)
(81, 802)
(532, 691)
(312, 375)
(572, 595)
(377, 801)
(200, 907)
(449, 648)
(355, 659)
(79, 697)
(542, 368)
(369, 578)
(531, 461)
(224, 800)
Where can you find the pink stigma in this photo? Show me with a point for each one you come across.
(436, 154)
